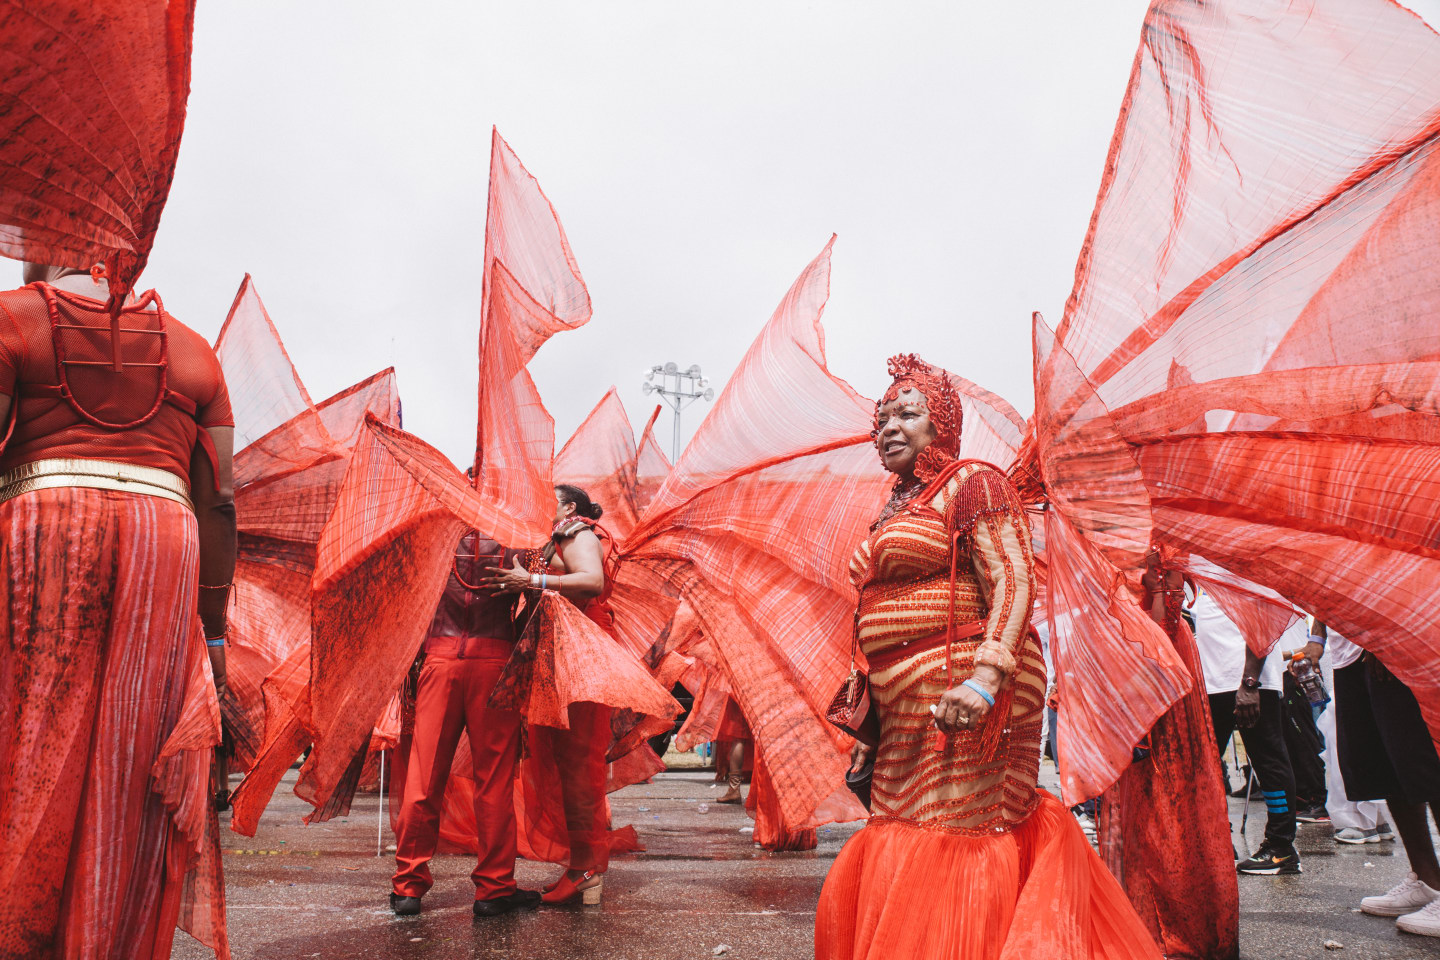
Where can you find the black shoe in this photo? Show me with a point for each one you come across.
(1315, 814)
(1270, 861)
(519, 900)
(404, 906)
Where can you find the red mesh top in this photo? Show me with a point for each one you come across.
(466, 612)
(47, 425)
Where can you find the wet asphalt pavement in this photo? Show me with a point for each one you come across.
(297, 891)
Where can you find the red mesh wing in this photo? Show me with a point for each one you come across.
(532, 289)
(1251, 339)
(381, 562)
(92, 104)
(1226, 166)
(754, 528)
(276, 427)
(1261, 614)
(600, 458)
(288, 476)
(288, 480)
(651, 465)
(1117, 671)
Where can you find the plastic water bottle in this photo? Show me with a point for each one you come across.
(1308, 679)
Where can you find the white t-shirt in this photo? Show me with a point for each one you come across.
(1222, 649)
(1339, 651)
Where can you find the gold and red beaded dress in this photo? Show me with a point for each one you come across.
(964, 857)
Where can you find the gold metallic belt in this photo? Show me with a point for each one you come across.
(96, 474)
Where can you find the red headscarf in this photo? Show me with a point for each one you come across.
(912, 373)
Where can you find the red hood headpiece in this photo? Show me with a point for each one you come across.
(910, 372)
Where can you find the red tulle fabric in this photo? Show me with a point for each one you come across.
(601, 458)
(92, 104)
(109, 838)
(292, 458)
(384, 550)
(899, 889)
(532, 290)
(1251, 338)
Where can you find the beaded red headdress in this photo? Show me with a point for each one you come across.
(910, 372)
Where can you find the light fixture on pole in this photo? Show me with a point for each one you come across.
(679, 388)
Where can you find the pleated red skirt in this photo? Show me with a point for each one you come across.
(1038, 892)
(104, 730)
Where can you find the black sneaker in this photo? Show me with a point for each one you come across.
(1316, 814)
(1270, 861)
(519, 900)
(404, 906)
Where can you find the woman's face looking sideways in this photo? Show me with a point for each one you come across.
(903, 430)
(563, 507)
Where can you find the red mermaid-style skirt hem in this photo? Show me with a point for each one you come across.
(905, 889)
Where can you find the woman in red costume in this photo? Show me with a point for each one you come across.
(574, 565)
(116, 528)
(963, 857)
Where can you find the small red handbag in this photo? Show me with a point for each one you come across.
(851, 711)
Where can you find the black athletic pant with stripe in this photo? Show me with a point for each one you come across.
(1265, 743)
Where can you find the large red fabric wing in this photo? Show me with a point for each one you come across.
(1257, 304)
(92, 105)
(600, 458)
(754, 528)
(532, 289)
(381, 561)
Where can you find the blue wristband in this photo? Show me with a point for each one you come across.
(980, 690)
(544, 577)
(214, 641)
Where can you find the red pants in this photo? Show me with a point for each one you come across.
(579, 757)
(451, 698)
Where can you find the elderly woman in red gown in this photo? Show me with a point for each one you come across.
(963, 858)
(116, 528)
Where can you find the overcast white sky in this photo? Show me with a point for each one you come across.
(699, 155)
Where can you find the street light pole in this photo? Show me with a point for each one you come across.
(679, 388)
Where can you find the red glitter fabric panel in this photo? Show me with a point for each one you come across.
(109, 838)
(92, 105)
